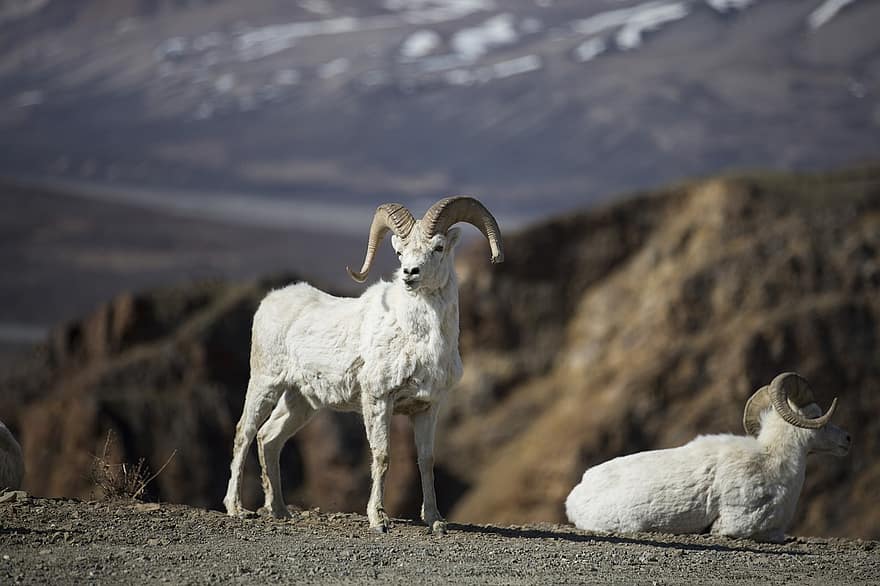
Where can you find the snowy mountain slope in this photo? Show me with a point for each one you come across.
(533, 105)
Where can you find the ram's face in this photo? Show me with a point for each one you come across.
(425, 262)
(828, 439)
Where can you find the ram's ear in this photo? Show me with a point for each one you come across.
(395, 243)
(453, 236)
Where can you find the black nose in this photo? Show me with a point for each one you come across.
(413, 271)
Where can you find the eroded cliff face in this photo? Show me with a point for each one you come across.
(655, 321)
(631, 327)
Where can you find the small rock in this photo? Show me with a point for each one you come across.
(146, 507)
(11, 496)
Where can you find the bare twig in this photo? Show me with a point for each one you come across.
(143, 486)
(122, 480)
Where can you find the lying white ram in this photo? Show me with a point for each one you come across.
(394, 349)
(11, 461)
(738, 486)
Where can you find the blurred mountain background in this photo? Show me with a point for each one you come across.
(222, 136)
(164, 162)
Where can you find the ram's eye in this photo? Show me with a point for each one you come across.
(438, 248)
(397, 252)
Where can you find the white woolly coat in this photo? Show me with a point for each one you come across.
(738, 486)
(387, 340)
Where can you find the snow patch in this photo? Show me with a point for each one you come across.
(170, 48)
(500, 70)
(608, 19)
(250, 43)
(322, 7)
(450, 7)
(473, 43)
(516, 66)
(632, 21)
(419, 44)
(434, 11)
(590, 49)
(267, 40)
(723, 6)
(630, 34)
(827, 11)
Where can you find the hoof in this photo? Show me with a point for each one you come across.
(383, 525)
(438, 528)
(273, 513)
(243, 514)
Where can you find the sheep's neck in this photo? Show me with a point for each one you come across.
(787, 453)
(431, 313)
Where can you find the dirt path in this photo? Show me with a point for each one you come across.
(57, 541)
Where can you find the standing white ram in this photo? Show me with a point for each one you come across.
(394, 349)
(11, 460)
(738, 486)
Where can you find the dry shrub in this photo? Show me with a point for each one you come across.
(121, 480)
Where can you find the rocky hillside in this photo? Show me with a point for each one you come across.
(630, 327)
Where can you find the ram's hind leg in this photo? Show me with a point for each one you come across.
(290, 414)
(262, 395)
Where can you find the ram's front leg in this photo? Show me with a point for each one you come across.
(424, 426)
(377, 420)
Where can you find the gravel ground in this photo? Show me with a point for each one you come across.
(58, 541)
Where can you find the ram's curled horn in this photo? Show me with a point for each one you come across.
(449, 211)
(757, 403)
(388, 216)
(786, 387)
(790, 386)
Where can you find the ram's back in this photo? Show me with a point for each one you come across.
(662, 490)
(308, 338)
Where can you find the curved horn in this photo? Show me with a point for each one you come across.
(449, 211)
(790, 386)
(388, 216)
(757, 404)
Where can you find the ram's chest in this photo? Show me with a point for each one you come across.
(416, 359)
